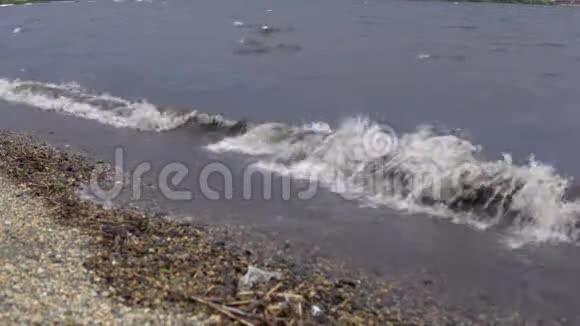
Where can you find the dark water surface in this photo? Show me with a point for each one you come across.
(506, 75)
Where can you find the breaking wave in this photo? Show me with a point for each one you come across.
(70, 98)
(439, 173)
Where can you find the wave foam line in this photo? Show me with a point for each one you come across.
(427, 171)
(71, 99)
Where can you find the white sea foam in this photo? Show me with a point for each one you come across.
(421, 171)
(72, 99)
(438, 173)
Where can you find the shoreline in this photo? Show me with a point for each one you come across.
(147, 263)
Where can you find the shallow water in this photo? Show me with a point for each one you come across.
(505, 75)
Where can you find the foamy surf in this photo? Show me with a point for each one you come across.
(423, 171)
(70, 98)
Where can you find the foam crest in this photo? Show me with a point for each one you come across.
(424, 170)
(71, 99)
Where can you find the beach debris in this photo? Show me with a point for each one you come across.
(344, 283)
(256, 276)
(150, 263)
(229, 312)
(17, 30)
(316, 311)
(269, 10)
(238, 23)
